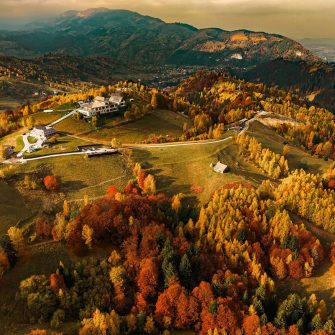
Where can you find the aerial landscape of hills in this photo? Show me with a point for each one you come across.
(159, 178)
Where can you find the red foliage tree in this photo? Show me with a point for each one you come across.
(204, 294)
(295, 269)
(148, 278)
(331, 184)
(56, 282)
(50, 183)
(140, 179)
(228, 316)
(119, 299)
(293, 330)
(42, 227)
(166, 305)
(251, 324)
(188, 311)
(270, 329)
(112, 190)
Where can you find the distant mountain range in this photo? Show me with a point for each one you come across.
(128, 36)
(322, 47)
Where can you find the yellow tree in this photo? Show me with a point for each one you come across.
(87, 235)
(16, 237)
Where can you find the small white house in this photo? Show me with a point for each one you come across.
(42, 131)
(236, 56)
(220, 167)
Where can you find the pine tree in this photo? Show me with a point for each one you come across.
(185, 271)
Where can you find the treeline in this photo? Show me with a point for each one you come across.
(273, 165)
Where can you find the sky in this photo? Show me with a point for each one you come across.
(293, 18)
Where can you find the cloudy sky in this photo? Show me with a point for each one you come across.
(294, 18)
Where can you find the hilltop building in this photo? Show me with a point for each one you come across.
(101, 105)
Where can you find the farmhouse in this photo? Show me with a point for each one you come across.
(99, 105)
(42, 131)
(220, 168)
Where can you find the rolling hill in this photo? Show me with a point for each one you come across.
(314, 79)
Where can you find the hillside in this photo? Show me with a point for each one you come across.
(129, 36)
(314, 79)
(22, 78)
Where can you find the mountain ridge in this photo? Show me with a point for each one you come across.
(125, 35)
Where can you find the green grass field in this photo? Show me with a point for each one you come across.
(12, 207)
(80, 176)
(179, 169)
(67, 107)
(161, 122)
(42, 118)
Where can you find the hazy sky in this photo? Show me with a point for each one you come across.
(294, 18)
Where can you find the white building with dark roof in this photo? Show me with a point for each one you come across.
(99, 105)
(42, 131)
(220, 167)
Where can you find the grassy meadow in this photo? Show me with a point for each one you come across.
(80, 176)
(12, 208)
(161, 122)
(186, 169)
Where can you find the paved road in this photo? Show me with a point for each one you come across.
(166, 145)
(97, 151)
(26, 145)
(61, 119)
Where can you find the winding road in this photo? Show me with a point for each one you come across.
(21, 160)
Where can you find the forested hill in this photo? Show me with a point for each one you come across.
(129, 36)
(316, 80)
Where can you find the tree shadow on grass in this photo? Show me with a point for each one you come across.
(154, 172)
(73, 185)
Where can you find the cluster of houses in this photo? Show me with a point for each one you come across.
(101, 105)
